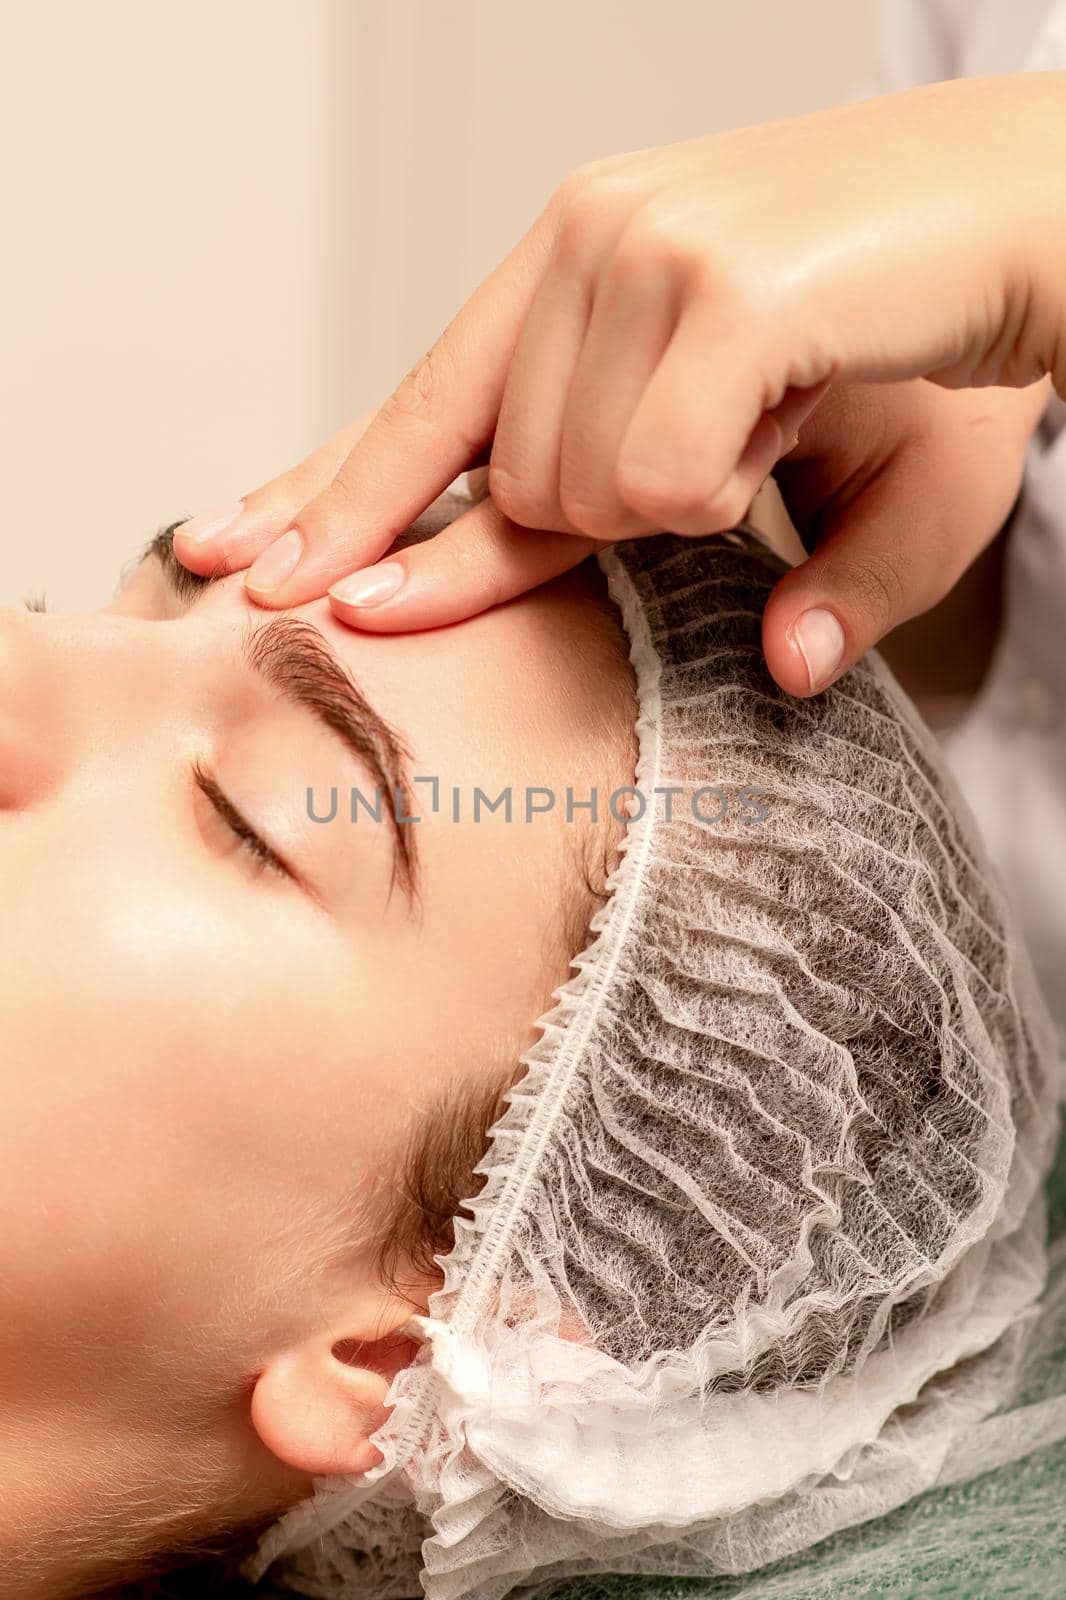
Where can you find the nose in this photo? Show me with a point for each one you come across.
(26, 750)
(73, 685)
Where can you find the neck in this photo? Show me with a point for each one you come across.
(105, 1502)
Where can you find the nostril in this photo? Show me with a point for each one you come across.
(25, 748)
(22, 767)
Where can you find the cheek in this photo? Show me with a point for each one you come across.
(158, 1044)
(130, 971)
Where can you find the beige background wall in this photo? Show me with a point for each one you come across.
(231, 225)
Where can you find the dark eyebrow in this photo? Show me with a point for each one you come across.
(293, 657)
(184, 584)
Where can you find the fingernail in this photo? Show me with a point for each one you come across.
(820, 641)
(277, 563)
(371, 586)
(209, 524)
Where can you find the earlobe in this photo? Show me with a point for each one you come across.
(315, 1410)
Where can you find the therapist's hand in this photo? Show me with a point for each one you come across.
(645, 354)
(897, 488)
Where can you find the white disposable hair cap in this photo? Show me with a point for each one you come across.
(761, 1241)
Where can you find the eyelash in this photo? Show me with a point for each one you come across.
(251, 842)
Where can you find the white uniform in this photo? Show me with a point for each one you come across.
(1008, 749)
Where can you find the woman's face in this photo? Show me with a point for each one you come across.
(198, 1041)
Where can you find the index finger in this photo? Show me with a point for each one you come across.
(480, 560)
(438, 421)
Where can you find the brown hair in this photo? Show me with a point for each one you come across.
(452, 1135)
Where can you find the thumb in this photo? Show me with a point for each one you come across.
(880, 560)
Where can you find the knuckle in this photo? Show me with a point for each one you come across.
(419, 394)
(724, 511)
(580, 183)
(644, 490)
(585, 204)
(337, 503)
(595, 518)
(516, 499)
(325, 522)
(576, 238)
(719, 275)
(652, 493)
(681, 506)
(652, 241)
(570, 190)
(879, 589)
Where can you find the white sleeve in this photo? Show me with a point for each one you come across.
(922, 41)
(926, 41)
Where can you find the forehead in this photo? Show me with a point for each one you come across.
(514, 695)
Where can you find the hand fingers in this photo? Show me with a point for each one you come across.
(424, 434)
(632, 319)
(898, 487)
(524, 468)
(709, 426)
(215, 543)
(879, 562)
(774, 436)
(477, 561)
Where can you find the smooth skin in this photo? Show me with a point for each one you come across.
(205, 1059)
(867, 298)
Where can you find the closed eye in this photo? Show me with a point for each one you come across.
(262, 854)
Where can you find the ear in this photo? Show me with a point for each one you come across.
(316, 1404)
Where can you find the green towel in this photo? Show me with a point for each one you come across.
(1003, 1534)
